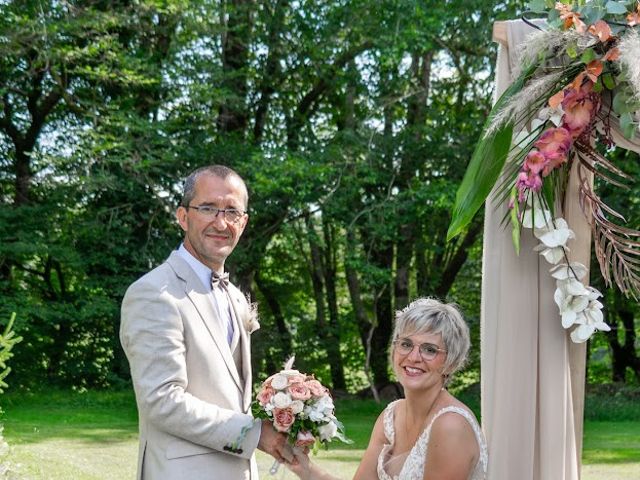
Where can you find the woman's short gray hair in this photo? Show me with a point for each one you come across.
(428, 315)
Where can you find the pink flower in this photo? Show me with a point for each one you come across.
(527, 181)
(554, 143)
(316, 388)
(283, 418)
(305, 439)
(265, 394)
(580, 108)
(299, 391)
(300, 378)
(535, 162)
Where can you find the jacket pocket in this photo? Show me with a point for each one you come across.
(182, 448)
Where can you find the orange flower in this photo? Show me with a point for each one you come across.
(570, 18)
(556, 100)
(594, 69)
(633, 19)
(601, 29)
(612, 55)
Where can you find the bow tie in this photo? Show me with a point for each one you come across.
(219, 280)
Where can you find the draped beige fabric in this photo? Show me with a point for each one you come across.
(532, 374)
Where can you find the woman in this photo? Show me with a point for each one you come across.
(429, 434)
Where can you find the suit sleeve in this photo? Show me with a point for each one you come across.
(152, 335)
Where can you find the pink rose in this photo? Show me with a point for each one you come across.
(300, 378)
(316, 388)
(554, 143)
(305, 439)
(299, 391)
(283, 418)
(265, 394)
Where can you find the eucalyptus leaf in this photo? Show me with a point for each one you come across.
(616, 8)
(537, 6)
(591, 14)
(627, 125)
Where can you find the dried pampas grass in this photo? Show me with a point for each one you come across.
(629, 53)
(518, 108)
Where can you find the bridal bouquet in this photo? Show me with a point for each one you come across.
(299, 406)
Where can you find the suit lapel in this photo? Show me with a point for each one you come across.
(238, 304)
(201, 299)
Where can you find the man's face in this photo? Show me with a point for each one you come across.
(212, 239)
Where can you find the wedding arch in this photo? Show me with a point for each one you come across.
(564, 86)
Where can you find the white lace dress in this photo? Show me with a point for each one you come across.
(413, 463)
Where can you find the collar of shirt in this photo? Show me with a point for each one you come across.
(202, 271)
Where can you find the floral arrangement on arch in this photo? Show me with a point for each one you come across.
(300, 406)
(576, 96)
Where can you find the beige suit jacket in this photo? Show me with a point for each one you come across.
(193, 400)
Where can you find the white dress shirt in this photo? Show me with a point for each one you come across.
(219, 296)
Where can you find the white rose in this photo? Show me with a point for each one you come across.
(297, 406)
(279, 382)
(281, 400)
(313, 413)
(328, 431)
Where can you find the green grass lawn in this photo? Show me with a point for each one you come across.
(93, 436)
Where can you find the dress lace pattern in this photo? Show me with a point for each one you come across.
(414, 464)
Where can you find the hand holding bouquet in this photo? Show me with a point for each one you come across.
(299, 406)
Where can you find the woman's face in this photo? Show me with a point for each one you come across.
(415, 370)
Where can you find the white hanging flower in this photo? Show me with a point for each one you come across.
(557, 235)
(570, 305)
(590, 320)
(574, 270)
(551, 255)
(536, 218)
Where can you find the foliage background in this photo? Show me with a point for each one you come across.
(352, 122)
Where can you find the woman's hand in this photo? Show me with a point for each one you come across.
(301, 465)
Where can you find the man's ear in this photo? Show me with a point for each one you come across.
(181, 216)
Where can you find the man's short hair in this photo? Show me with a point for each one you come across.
(220, 171)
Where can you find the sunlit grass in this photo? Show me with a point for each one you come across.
(93, 436)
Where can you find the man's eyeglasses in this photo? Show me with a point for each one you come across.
(231, 215)
(428, 351)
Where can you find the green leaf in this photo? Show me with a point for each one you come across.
(572, 51)
(627, 125)
(623, 102)
(608, 81)
(515, 222)
(616, 8)
(597, 87)
(486, 163)
(537, 6)
(588, 56)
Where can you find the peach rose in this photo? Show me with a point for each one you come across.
(299, 391)
(305, 439)
(300, 378)
(265, 395)
(283, 418)
(316, 388)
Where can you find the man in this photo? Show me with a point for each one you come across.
(185, 330)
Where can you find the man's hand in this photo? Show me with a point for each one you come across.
(275, 443)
